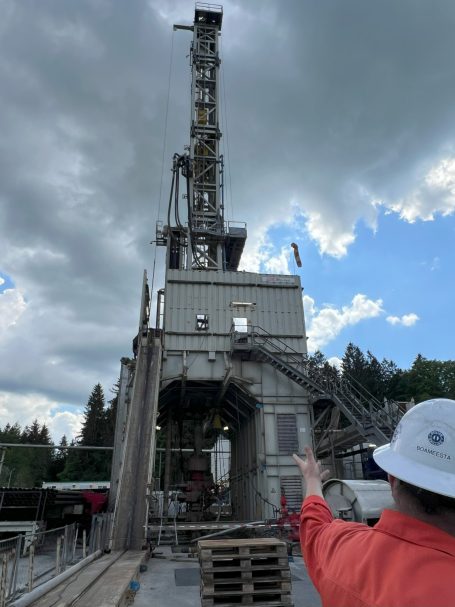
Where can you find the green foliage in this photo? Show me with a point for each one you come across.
(429, 379)
(424, 380)
(111, 416)
(97, 431)
(318, 362)
(448, 378)
(379, 378)
(59, 457)
(25, 467)
(28, 467)
(354, 363)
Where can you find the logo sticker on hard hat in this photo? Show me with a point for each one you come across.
(396, 434)
(435, 437)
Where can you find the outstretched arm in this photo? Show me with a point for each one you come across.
(311, 471)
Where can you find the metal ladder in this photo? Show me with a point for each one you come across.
(161, 527)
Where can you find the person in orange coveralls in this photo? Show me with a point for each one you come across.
(408, 558)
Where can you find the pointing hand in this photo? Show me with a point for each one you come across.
(310, 468)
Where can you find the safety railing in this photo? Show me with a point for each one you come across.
(100, 532)
(30, 559)
(357, 400)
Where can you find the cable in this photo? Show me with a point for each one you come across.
(178, 223)
(163, 152)
(170, 204)
(174, 188)
(265, 500)
(166, 121)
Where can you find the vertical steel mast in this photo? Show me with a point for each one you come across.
(206, 220)
(206, 242)
(201, 244)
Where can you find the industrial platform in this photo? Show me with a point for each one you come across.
(172, 580)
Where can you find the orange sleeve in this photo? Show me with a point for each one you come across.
(315, 521)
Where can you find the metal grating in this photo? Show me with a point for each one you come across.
(288, 442)
(292, 486)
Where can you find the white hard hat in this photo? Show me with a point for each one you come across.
(422, 449)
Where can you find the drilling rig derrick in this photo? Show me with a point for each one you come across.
(220, 422)
(221, 393)
(206, 242)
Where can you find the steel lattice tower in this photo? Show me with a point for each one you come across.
(207, 242)
(206, 221)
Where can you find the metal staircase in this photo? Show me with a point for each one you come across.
(370, 420)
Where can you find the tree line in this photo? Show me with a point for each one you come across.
(30, 467)
(385, 380)
(27, 467)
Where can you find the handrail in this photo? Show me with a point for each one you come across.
(348, 390)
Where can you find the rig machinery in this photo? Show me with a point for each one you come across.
(227, 357)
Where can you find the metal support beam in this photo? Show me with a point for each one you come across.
(167, 462)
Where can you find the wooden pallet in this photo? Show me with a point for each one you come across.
(260, 600)
(228, 574)
(264, 548)
(235, 587)
(246, 565)
(244, 572)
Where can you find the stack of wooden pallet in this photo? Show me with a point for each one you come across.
(244, 572)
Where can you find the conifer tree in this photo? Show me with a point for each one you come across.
(354, 364)
(59, 457)
(26, 467)
(14, 458)
(73, 468)
(91, 465)
(94, 425)
(424, 380)
(39, 460)
(448, 378)
(111, 416)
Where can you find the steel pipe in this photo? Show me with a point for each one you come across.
(36, 593)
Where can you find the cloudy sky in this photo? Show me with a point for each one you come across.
(339, 134)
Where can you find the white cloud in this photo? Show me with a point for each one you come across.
(65, 423)
(2, 281)
(93, 139)
(12, 306)
(335, 362)
(330, 238)
(24, 408)
(442, 176)
(334, 232)
(279, 264)
(434, 195)
(263, 257)
(407, 320)
(324, 325)
(393, 320)
(254, 255)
